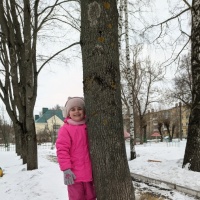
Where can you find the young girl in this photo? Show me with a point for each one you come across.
(73, 152)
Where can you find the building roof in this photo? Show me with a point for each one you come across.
(48, 114)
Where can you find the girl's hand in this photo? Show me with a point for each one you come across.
(69, 177)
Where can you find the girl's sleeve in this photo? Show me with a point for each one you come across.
(63, 145)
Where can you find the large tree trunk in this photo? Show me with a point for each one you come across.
(192, 151)
(30, 85)
(32, 160)
(19, 87)
(20, 141)
(17, 140)
(99, 39)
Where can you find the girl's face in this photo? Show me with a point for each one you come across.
(77, 114)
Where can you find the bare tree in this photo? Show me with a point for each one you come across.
(169, 121)
(129, 80)
(145, 75)
(124, 29)
(20, 23)
(101, 75)
(6, 133)
(182, 90)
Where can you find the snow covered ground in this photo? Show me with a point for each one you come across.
(169, 157)
(47, 182)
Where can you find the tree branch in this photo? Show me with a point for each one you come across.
(56, 55)
(189, 6)
(165, 21)
(177, 54)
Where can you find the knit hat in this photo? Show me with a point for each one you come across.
(72, 102)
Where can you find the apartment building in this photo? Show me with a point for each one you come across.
(174, 120)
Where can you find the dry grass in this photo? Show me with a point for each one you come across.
(150, 196)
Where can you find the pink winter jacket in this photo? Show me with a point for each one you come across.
(73, 152)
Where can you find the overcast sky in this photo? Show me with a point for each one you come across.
(58, 83)
(58, 80)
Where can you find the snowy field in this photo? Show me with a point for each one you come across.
(47, 181)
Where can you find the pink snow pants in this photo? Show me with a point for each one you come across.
(82, 191)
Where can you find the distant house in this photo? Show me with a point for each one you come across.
(47, 124)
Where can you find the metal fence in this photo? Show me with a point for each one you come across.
(11, 147)
(46, 145)
(7, 147)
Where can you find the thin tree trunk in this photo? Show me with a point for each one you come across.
(141, 133)
(129, 76)
(133, 140)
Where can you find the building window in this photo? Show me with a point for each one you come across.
(56, 127)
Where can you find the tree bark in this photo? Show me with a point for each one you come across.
(192, 151)
(101, 75)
